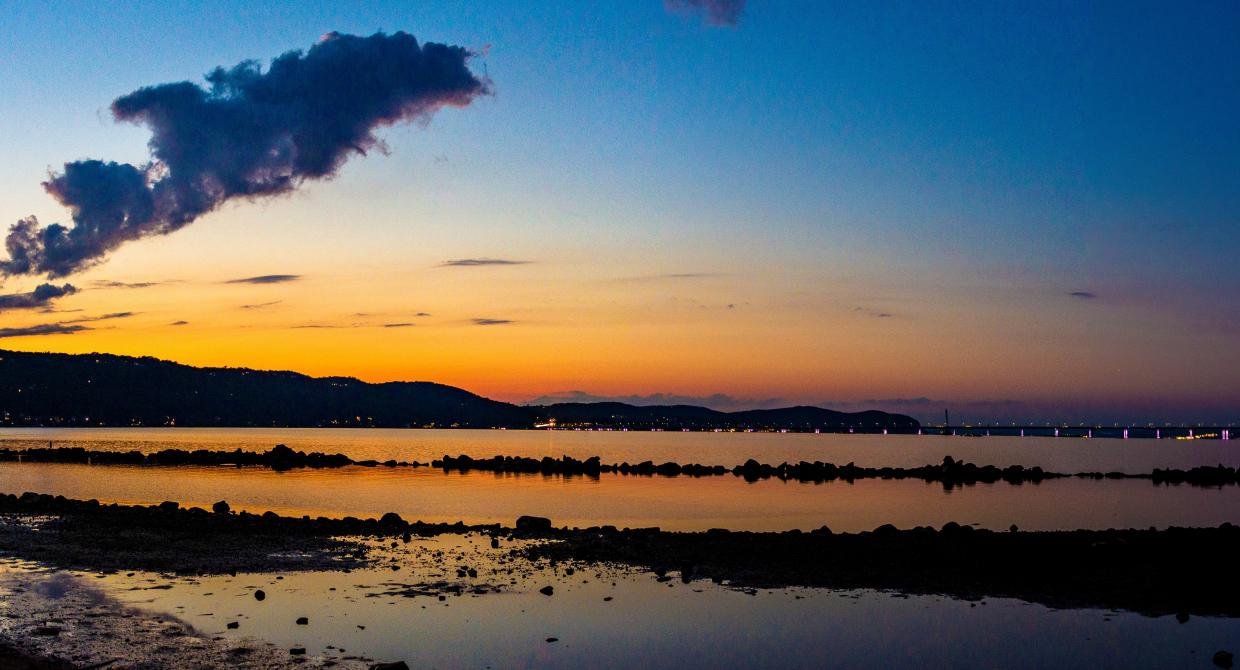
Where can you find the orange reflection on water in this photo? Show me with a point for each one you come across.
(679, 503)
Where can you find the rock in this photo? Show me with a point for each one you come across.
(546, 590)
(233, 625)
(1181, 617)
(533, 523)
(1223, 659)
(303, 621)
(169, 506)
(553, 639)
(221, 507)
(391, 519)
(297, 651)
(1013, 528)
(607, 599)
(260, 595)
(52, 631)
(397, 665)
(495, 543)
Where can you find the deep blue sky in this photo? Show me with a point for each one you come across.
(961, 167)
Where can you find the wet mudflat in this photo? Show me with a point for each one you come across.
(431, 613)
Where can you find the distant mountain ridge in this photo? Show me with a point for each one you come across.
(676, 417)
(48, 389)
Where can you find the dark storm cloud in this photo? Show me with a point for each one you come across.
(1083, 295)
(42, 329)
(251, 133)
(480, 262)
(715, 12)
(491, 322)
(41, 296)
(265, 279)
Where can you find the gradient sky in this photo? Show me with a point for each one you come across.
(1022, 211)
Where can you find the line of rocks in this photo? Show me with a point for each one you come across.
(949, 473)
(172, 538)
(1173, 571)
(280, 457)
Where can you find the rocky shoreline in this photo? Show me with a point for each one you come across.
(950, 473)
(1176, 570)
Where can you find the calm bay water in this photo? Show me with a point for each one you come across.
(672, 503)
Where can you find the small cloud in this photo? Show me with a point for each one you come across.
(262, 305)
(491, 322)
(42, 329)
(41, 296)
(714, 12)
(902, 402)
(120, 284)
(179, 323)
(670, 276)
(265, 279)
(877, 314)
(422, 314)
(397, 325)
(440, 158)
(1083, 295)
(480, 262)
(717, 401)
(315, 326)
(102, 317)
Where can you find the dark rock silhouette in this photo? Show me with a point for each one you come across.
(533, 523)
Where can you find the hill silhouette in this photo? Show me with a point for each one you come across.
(677, 417)
(48, 389)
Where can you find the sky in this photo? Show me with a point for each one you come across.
(1019, 211)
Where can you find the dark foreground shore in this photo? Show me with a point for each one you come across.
(1176, 570)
